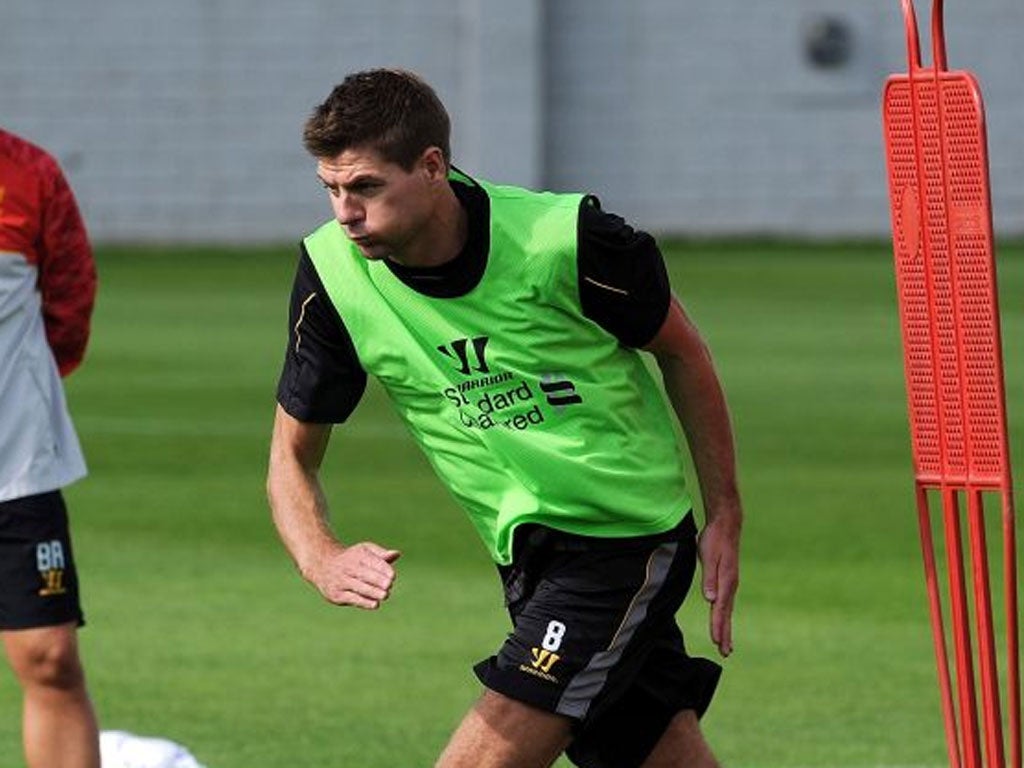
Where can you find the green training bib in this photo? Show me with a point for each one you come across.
(527, 410)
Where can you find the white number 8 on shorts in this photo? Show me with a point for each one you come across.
(553, 637)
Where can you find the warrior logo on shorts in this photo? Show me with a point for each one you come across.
(50, 561)
(545, 658)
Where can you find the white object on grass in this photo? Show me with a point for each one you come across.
(120, 749)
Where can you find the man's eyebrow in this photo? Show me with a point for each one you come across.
(361, 179)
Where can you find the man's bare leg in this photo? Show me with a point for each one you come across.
(59, 728)
(682, 745)
(499, 732)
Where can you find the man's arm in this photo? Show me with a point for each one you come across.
(361, 574)
(67, 273)
(696, 395)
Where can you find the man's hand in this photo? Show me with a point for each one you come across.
(361, 575)
(719, 550)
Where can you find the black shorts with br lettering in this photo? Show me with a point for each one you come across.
(595, 638)
(38, 582)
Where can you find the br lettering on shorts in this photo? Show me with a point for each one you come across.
(51, 564)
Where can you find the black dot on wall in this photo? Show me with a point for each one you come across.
(828, 42)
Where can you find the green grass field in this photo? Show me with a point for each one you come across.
(201, 631)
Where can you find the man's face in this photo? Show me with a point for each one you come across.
(381, 206)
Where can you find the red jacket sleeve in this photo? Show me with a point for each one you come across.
(67, 274)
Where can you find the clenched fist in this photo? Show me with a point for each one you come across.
(361, 575)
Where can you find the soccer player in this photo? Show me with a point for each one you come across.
(506, 326)
(47, 288)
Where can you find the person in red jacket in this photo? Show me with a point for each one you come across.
(47, 289)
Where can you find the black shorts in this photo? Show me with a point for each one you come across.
(595, 638)
(38, 581)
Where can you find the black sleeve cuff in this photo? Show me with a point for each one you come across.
(322, 379)
(623, 283)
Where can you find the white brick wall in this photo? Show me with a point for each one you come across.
(705, 117)
(181, 121)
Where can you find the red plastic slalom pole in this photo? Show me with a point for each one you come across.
(938, 632)
(937, 163)
(986, 634)
(961, 630)
(1012, 629)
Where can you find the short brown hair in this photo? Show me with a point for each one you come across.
(392, 111)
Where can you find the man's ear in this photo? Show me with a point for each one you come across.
(433, 164)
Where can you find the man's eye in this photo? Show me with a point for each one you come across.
(332, 188)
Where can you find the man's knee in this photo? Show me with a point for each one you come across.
(682, 744)
(46, 658)
(500, 732)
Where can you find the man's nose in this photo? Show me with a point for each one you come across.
(347, 210)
